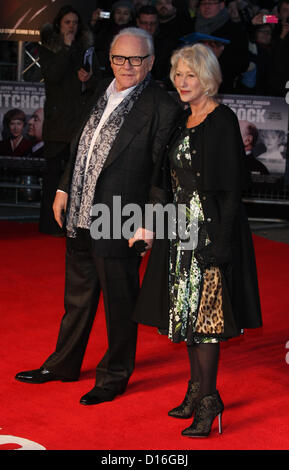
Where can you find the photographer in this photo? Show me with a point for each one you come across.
(282, 29)
(104, 28)
(213, 19)
(279, 65)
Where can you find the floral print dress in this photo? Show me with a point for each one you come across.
(185, 276)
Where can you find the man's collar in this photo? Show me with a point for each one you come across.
(111, 90)
(37, 146)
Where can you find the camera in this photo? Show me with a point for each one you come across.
(104, 14)
(270, 19)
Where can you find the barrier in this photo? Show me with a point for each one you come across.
(21, 181)
(263, 123)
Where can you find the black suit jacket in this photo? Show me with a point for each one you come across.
(128, 168)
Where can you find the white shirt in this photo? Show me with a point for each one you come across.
(114, 98)
(37, 146)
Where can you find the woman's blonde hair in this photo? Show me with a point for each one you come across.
(203, 62)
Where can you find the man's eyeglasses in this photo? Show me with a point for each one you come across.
(135, 61)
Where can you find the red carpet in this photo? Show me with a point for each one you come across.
(253, 376)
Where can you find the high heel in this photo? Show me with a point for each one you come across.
(220, 423)
(208, 408)
(186, 408)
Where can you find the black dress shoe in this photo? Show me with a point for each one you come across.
(99, 395)
(39, 376)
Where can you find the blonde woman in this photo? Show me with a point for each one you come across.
(208, 293)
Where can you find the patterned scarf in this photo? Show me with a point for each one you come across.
(84, 179)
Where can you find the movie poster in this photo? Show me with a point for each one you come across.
(264, 128)
(20, 20)
(21, 119)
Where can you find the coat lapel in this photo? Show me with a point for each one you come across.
(88, 108)
(132, 126)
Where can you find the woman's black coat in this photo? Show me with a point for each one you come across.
(221, 175)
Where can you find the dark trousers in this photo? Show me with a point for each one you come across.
(54, 168)
(86, 276)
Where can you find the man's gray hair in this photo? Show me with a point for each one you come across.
(136, 32)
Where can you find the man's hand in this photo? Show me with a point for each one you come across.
(83, 76)
(258, 19)
(95, 16)
(59, 207)
(142, 234)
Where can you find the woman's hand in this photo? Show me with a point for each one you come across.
(258, 19)
(68, 37)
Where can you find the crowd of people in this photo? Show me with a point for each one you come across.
(251, 49)
(254, 62)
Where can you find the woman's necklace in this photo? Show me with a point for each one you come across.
(196, 119)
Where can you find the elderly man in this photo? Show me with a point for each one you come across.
(113, 155)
